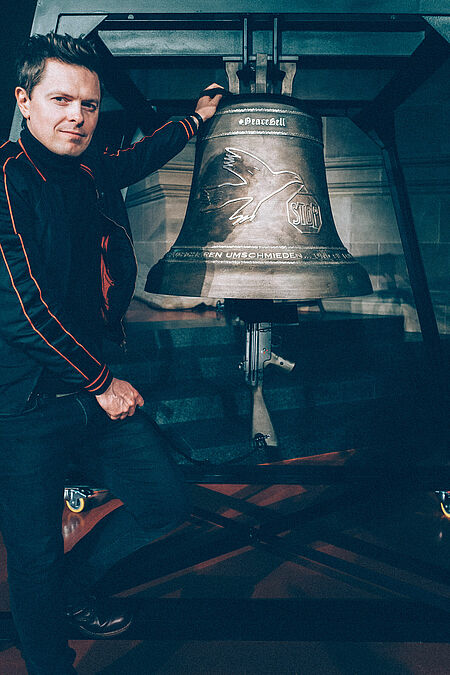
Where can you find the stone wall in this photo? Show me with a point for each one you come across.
(360, 200)
(156, 208)
(363, 209)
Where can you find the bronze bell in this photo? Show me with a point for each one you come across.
(258, 222)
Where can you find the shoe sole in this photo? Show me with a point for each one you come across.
(111, 633)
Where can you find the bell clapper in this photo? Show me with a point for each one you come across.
(261, 422)
(258, 355)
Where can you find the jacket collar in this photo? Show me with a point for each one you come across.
(46, 162)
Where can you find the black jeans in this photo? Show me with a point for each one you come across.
(129, 457)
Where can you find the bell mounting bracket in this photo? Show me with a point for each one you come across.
(261, 73)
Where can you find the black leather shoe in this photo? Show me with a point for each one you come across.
(99, 618)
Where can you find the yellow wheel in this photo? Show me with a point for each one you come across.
(77, 504)
(445, 508)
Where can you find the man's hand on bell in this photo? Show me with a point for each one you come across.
(120, 400)
(207, 105)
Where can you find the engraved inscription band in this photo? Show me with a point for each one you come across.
(263, 255)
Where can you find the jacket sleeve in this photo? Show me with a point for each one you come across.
(129, 165)
(31, 318)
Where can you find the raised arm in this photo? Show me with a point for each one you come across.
(129, 165)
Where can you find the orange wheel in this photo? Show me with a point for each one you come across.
(445, 508)
(77, 505)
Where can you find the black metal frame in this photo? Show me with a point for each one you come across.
(285, 619)
(398, 616)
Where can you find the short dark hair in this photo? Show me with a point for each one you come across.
(38, 48)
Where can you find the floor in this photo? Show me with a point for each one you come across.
(342, 552)
(414, 526)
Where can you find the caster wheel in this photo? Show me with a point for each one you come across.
(80, 498)
(444, 499)
(77, 498)
(445, 507)
(76, 505)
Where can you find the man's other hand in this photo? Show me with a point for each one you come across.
(207, 106)
(120, 400)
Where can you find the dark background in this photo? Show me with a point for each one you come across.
(15, 26)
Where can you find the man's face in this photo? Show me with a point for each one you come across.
(62, 110)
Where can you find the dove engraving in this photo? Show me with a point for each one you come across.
(256, 183)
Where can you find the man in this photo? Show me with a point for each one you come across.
(67, 274)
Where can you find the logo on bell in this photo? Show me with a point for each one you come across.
(262, 121)
(303, 212)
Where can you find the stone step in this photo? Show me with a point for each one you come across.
(338, 360)
(310, 369)
(196, 399)
(301, 433)
(153, 339)
(319, 348)
(157, 337)
(182, 364)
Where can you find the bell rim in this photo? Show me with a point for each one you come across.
(284, 283)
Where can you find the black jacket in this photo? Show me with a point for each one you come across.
(36, 330)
